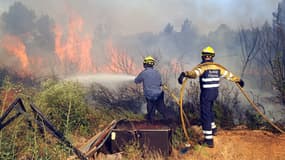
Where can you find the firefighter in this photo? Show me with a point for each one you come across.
(209, 74)
(153, 93)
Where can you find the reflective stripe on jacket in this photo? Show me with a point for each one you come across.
(209, 74)
(210, 78)
(201, 68)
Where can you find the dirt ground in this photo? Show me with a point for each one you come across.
(241, 145)
(236, 144)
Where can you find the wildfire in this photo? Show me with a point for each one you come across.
(76, 48)
(16, 47)
(120, 62)
(72, 54)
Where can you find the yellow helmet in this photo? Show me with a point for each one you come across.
(149, 60)
(208, 51)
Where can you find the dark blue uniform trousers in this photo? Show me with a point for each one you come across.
(158, 104)
(207, 99)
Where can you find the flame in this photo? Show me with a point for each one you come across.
(16, 47)
(119, 62)
(75, 50)
(85, 63)
(72, 53)
(60, 51)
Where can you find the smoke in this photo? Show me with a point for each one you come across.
(135, 16)
(34, 22)
(19, 20)
(136, 25)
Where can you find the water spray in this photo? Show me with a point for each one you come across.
(107, 79)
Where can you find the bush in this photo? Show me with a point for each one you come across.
(64, 104)
(127, 97)
(254, 120)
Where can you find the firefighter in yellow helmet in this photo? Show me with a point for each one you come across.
(148, 61)
(153, 93)
(209, 74)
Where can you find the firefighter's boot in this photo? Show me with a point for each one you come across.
(207, 142)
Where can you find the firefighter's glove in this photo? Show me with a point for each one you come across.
(181, 77)
(241, 83)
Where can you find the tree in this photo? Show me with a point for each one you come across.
(264, 60)
(277, 61)
(250, 46)
(168, 29)
(19, 19)
(186, 26)
(44, 37)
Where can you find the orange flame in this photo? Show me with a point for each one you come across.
(15, 46)
(76, 48)
(120, 62)
(73, 53)
(85, 63)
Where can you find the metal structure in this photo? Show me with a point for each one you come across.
(40, 120)
(16, 105)
(155, 137)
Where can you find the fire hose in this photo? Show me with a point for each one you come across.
(258, 110)
(181, 110)
(179, 102)
(165, 88)
(183, 116)
(254, 106)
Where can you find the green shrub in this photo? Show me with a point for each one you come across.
(64, 104)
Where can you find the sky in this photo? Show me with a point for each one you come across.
(136, 16)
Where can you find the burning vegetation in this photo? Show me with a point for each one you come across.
(72, 55)
(39, 53)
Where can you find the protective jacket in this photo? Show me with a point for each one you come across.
(209, 74)
(151, 83)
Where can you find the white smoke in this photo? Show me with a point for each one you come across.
(136, 16)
